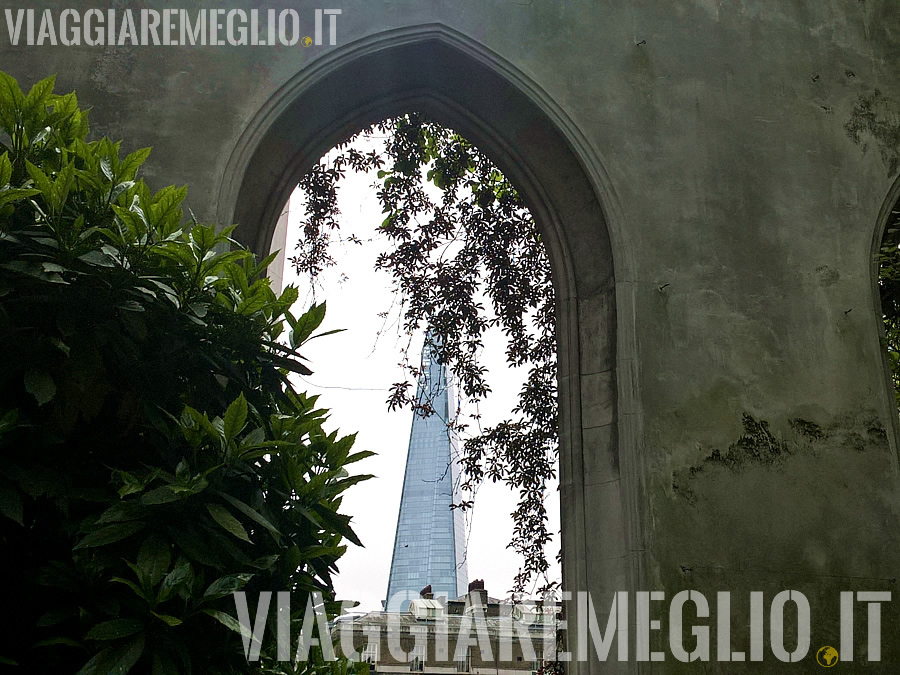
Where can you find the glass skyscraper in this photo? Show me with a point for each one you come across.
(429, 546)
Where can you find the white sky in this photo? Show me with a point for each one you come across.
(353, 371)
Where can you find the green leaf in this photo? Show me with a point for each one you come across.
(154, 558)
(61, 187)
(5, 169)
(226, 585)
(132, 484)
(99, 258)
(292, 365)
(165, 212)
(161, 495)
(235, 417)
(11, 100)
(340, 486)
(250, 513)
(16, 194)
(110, 534)
(193, 420)
(203, 237)
(115, 629)
(320, 551)
(306, 324)
(41, 181)
(106, 168)
(182, 574)
(265, 562)
(40, 93)
(115, 660)
(327, 332)
(168, 619)
(253, 304)
(254, 437)
(337, 522)
(138, 591)
(60, 345)
(128, 167)
(40, 385)
(289, 296)
(231, 524)
(357, 456)
(228, 621)
(259, 267)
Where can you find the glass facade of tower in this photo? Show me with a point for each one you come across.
(429, 546)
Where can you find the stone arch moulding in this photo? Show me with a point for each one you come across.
(884, 215)
(457, 81)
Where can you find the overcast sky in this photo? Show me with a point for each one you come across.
(353, 371)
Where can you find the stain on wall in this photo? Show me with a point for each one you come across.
(876, 118)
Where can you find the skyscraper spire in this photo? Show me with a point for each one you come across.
(429, 546)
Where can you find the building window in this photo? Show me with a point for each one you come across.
(417, 660)
(370, 653)
(464, 665)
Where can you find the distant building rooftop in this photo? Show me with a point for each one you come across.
(450, 636)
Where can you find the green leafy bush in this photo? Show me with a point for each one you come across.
(154, 457)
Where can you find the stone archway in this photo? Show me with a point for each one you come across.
(885, 218)
(459, 83)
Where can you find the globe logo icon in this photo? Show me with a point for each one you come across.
(827, 657)
(307, 41)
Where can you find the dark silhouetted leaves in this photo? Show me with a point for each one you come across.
(448, 257)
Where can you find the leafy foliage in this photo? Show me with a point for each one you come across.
(889, 289)
(154, 457)
(477, 241)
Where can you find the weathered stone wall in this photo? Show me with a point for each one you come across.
(729, 426)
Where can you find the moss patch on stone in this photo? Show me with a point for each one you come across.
(757, 446)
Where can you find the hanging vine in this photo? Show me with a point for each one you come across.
(448, 255)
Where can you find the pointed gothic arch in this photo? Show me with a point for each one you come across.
(887, 217)
(460, 84)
